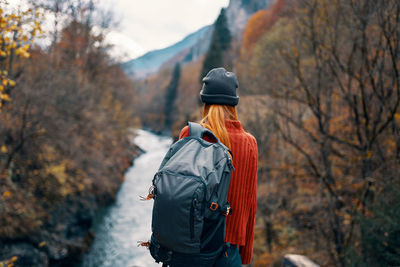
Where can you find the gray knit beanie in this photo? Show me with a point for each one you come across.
(219, 87)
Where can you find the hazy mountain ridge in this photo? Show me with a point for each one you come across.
(193, 53)
(152, 61)
(195, 44)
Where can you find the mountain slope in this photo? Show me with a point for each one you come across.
(239, 11)
(196, 44)
(152, 61)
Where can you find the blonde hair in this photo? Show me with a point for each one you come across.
(214, 117)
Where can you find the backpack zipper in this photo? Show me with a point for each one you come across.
(194, 202)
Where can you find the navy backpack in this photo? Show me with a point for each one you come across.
(190, 200)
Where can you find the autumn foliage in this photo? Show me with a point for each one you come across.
(319, 89)
(327, 83)
(261, 22)
(18, 29)
(64, 138)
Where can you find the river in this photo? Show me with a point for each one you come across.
(119, 227)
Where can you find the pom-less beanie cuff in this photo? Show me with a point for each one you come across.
(219, 99)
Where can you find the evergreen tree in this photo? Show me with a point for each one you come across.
(220, 42)
(170, 96)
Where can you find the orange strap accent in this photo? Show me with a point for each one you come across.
(214, 206)
(144, 244)
(149, 196)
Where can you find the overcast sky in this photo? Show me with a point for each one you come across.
(146, 25)
(152, 24)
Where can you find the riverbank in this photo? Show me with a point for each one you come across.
(65, 231)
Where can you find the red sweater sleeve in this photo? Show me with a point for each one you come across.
(246, 251)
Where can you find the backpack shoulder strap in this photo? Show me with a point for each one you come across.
(196, 130)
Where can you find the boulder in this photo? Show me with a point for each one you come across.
(294, 260)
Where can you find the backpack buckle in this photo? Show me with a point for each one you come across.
(214, 206)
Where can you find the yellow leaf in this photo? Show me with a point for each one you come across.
(42, 244)
(1, 88)
(7, 194)
(397, 117)
(81, 187)
(12, 83)
(3, 149)
(15, 258)
(5, 82)
(5, 97)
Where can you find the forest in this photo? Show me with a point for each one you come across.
(319, 87)
(64, 130)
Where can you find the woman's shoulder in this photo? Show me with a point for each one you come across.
(184, 132)
(252, 139)
(246, 137)
(251, 142)
(252, 145)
